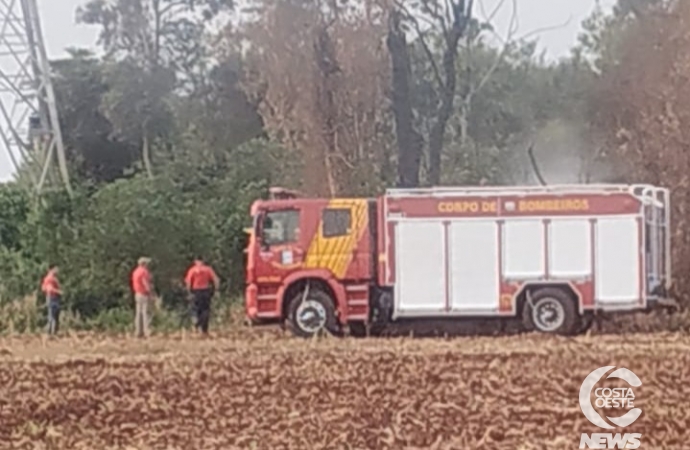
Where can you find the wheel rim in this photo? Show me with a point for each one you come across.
(311, 316)
(548, 314)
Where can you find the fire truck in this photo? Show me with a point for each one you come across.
(550, 257)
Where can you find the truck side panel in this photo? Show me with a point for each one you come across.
(474, 266)
(570, 248)
(479, 265)
(618, 262)
(421, 267)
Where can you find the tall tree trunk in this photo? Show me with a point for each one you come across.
(462, 16)
(408, 139)
(447, 91)
(328, 70)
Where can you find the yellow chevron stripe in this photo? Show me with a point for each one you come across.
(358, 227)
(335, 254)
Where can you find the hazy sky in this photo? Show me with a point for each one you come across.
(562, 17)
(61, 30)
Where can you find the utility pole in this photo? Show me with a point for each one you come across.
(29, 121)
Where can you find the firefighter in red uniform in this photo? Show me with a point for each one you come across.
(202, 282)
(51, 288)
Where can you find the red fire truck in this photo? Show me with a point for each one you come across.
(552, 257)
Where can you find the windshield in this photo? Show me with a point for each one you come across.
(280, 227)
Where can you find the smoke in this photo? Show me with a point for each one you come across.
(565, 154)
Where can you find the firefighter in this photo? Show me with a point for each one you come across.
(51, 288)
(142, 288)
(202, 283)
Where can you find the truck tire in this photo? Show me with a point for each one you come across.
(313, 315)
(551, 311)
(584, 324)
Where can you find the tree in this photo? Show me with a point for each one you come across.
(154, 47)
(319, 75)
(218, 118)
(444, 81)
(451, 21)
(137, 104)
(155, 33)
(92, 150)
(410, 143)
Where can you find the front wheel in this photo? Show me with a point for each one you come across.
(551, 311)
(312, 315)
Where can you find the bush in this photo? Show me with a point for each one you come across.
(97, 236)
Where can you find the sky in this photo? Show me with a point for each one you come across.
(559, 19)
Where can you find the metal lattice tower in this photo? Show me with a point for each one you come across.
(29, 122)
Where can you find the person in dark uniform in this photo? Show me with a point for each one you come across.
(202, 283)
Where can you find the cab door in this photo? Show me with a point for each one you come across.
(279, 246)
(342, 245)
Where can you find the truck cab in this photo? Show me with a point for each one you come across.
(305, 258)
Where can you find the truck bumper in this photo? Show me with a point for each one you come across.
(251, 304)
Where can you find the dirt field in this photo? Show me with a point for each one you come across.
(260, 390)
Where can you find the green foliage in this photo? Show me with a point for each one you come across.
(95, 153)
(14, 210)
(136, 100)
(97, 237)
(156, 34)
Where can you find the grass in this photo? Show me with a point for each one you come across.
(29, 316)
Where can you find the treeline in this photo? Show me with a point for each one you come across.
(196, 107)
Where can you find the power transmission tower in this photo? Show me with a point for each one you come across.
(29, 122)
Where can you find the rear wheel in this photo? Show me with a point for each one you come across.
(313, 314)
(552, 311)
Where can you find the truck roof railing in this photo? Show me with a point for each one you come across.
(635, 189)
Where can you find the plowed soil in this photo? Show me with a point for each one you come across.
(267, 391)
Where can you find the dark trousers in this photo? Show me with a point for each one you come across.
(53, 315)
(202, 308)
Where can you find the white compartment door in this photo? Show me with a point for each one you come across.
(617, 261)
(570, 248)
(420, 267)
(523, 249)
(474, 283)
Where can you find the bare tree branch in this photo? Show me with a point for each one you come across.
(170, 6)
(490, 17)
(449, 16)
(425, 46)
(513, 26)
(342, 158)
(535, 166)
(435, 14)
(501, 55)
